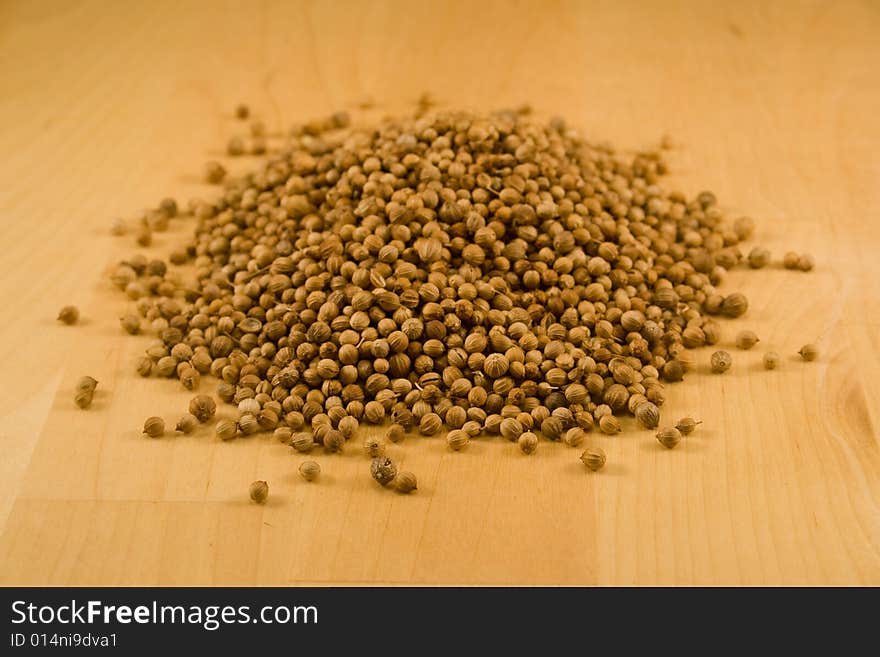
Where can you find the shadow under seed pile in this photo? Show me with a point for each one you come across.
(487, 273)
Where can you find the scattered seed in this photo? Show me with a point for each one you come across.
(259, 491)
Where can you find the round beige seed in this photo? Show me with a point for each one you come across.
(669, 437)
(457, 440)
(406, 482)
(154, 427)
(259, 491)
(309, 470)
(809, 352)
(593, 458)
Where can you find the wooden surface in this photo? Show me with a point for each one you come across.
(107, 107)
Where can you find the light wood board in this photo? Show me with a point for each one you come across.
(106, 107)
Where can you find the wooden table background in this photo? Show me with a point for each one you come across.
(105, 107)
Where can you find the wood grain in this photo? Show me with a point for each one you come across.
(106, 107)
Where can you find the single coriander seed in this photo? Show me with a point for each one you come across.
(259, 491)
(203, 407)
(68, 315)
(746, 340)
(527, 442)
(187, 423)
(83, 398)
(791, 260)
(430, 424)
(720, 362)
(144, 236)
(145, 366)
(593, 458)
(686, 425)
(759, 257)
(406, 482)
(771, 360)
(395, 433)
(648, 415)
(457, 440)
(805, 262)
(609, 424)
(734, 305)
(302, 442)
(283, 435)
(242, 111)
(574, 437)
(154, 427)
(309, 470)
(669, 437)
(383, 470)
(235, 147)
(809, 352)
(87, 383)
(248, 424)
(373, 447)
(226, 430)
(511, 428)
(334, 441)
(118, 227)
(214, 173)
(130, 323)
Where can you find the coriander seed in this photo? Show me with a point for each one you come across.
(145, 366)
(130, 323)
(259, 492)
(373, 447)
(574, 437)
(202, 407)
(226, 430)
(771, 360)
(347, 426)
(154, 427)
(334, 441)
(309, 470)
(511, 428)
(734, 305)
(527, 442)
(83, 398)
(383, 470)
(405, 482)
(374, 412)
(88, 383)
(720, 362)
(759, 257)
(283, 435)
(302, 442)
(686, 425)
(609, 424)
(648, 415)
(746, 340)
(669, 437)
(68, 315)
(809, 352)
(593, 458)
(805, 262)
(457, 440)
(395, 433)
(248, 424)
(430, 424)
(235, 146)
(187, 423)
(214, 173)
(791, 260)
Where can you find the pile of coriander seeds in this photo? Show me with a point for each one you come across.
(446, 273)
